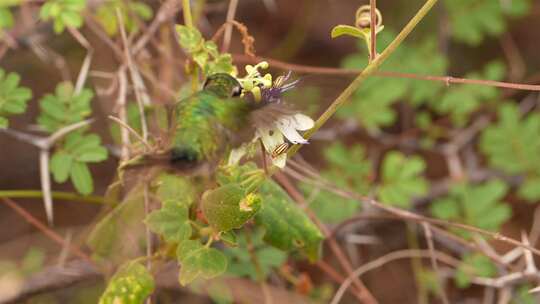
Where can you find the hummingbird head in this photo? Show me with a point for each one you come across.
(223, 85)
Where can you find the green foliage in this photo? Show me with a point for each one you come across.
(64, 107)
(523, 296)
(171, 221)
(348, 169)
(64, 13)
(472, 21)
(512, 146)
(13, 98)
(460, 101)
(377, 95)
(229, 207)
(131, 284)
(287, 226)
(401, 179)
(198, 261)
(473, 265)
(71, 159)
(204, 53)
(476, 205)
(120, 234)
(106, 15)
(6, 18)
(174, 187)
(32, 261)
(241, 263)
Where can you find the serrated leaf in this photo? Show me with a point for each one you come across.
(512, 144)
(63, 13)
(176, 188)
(229, 207)
(106, 15)
(60, 165)
(81, 178)
(401, 180)
(473, 265)
(471, 22)
(171, 221)
(198, 261)
(13, 98)
(189, 37)
(421, 58)
(476, 205)
(131, 284)
(530, 189)
(287, 226)
(64, 108)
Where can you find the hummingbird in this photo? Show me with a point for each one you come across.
(206, 122)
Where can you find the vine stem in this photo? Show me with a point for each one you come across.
(372, 67)
(188, 21)
(68, 196)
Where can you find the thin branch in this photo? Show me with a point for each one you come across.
(57, 195)
(350, 72)
(396, 255)
(130, 129)
(373, 29)
(43, 228)
(434, 264)
(231, 11)
(368, 71)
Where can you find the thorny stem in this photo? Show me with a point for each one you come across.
(368, 71)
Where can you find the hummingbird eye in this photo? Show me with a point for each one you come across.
(237, 90)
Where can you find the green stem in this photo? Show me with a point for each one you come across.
(368, 71)
(59, 195)
(188, 21)
(186, 7)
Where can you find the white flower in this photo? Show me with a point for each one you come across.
(284, 127)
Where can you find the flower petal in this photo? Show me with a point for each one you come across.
(289, 131)
(280, 161)
(271, 138)
(236, 155)
(302, 122)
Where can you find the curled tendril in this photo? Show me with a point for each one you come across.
(363, 18)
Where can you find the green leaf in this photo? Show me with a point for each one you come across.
(176, 188)
(461, 101)
(229, 207)
(106, 15)
(476, 205)
(472, 21)
(340, 30)
(512, 144)
(198, 261)
(523, 296)
(240, 260)
(190, 38)
(422, 58)
(64, 108)
(81, 178)
(131, 284)
(473, 265)
(63, 13)
(401, 180)
(287, 226)
(6, 18)
(530, 189)
(120, 234)
(61, 166)
(13, 99)
(171, 221)
(33, 261)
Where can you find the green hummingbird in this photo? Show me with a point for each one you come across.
(205, 123)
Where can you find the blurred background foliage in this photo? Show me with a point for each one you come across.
(461, 152)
